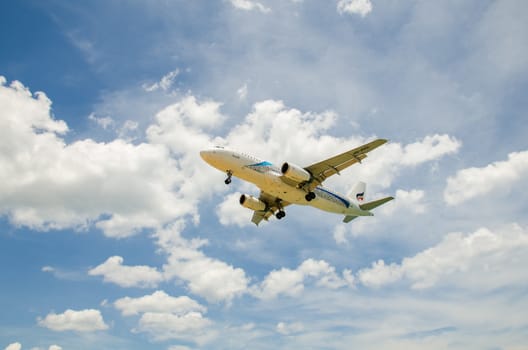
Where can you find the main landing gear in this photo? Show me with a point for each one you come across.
(229, 175)
(309, 196)
(280, 212)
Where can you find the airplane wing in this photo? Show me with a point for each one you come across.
(322, 170)
(272, 204)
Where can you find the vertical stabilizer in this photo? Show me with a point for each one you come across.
(357, 193)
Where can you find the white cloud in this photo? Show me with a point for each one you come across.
(289, 328)
(18, 346)
(358, 7)
(242, 92)
(178, 347)
(498, 176)
(58, 185)
(384, 164)
(230, 212)
(164, 84)
(465, 261)
(291, 282)
(165, 317)
(63, 274)
(114, 271)
(89, 320)
(210, 278)
(249, 5)
(340, 233)
(406, 202)
(14, 346)
(158, 302)
(379, 274)
(104, 122)
(164, 326)
(118, 186)
(430, 148)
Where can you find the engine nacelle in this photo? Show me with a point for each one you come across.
(295, 173)
(252, 203)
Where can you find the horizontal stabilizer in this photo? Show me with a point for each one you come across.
(375, 204)
(349, 218)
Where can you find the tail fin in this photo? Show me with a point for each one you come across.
(357, 192)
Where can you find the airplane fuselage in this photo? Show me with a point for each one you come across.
(269, 179)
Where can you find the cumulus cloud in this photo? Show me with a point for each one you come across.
(18, 346)
(158, 302)
(380, 274)
(498, 176)
(430, 148)
(249, 5)
(89, 320)
(114, 271)
(164, 317)
(210, 278)
(14, 346)
(464, 261)
(118, 186)
(164, 326)
(230, 212)
(357, 7)
(291, 282)
(407, 201)
(48, 184)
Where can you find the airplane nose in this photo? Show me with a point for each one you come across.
(206, 155)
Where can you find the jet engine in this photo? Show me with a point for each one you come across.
(252, 203)
(295, 173)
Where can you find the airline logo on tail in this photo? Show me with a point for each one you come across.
(359, 196)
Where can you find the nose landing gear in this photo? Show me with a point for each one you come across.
(280, 214)
(228, 179)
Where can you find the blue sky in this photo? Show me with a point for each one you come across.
(114, 234)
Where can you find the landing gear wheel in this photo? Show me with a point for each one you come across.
(310, 196)
(228, 180)
(280, 214)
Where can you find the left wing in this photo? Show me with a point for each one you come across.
(322, 170)
(272, 204)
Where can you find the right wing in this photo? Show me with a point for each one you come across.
(272, 205)
(322, 170)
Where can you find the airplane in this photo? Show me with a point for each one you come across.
(292, 184)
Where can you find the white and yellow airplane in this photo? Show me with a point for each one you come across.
(292, 184)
